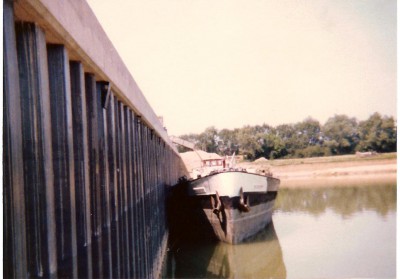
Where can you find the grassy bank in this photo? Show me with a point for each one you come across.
(328, 170)
(323, 160)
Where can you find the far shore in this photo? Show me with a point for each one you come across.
(347, 170)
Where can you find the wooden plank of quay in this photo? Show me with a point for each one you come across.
(38, 157)
(63, 159)
(81, 157)
(15, 264)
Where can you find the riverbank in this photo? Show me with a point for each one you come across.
(327, 171)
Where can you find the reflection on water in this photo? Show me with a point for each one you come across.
(345, 201)
(316, 232)
(340, 232)
(259, 257)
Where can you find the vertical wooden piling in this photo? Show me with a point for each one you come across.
(82, 181)
(103, 183)
(136, 195)
(129, 185)
(63, 160)
(15, 263)
(124, 198)
(37, 154)
(113, 187)
(141, 212)
(120, 196)
(95, 206)
(85, 176)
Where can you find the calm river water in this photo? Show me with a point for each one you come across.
(319, 232)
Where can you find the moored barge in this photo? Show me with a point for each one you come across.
(237, 204)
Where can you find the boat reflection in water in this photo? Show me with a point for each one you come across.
(257, 257)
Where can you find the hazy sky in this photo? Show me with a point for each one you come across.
(227, 64)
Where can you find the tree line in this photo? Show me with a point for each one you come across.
(340, 135)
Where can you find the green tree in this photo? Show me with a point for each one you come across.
(307, 132)
(377, 133)
(207, 140)
(273, 146)
(249, 142)
(228, 143)
(341, 134)
(313, 151)
(287, 133)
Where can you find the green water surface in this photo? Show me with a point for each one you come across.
(318, 232)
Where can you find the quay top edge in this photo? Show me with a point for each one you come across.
(73, 24)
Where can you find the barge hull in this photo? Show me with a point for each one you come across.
(232, 225)
(226, 206)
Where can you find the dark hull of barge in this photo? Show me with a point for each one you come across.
(194, 217)
(231, 224)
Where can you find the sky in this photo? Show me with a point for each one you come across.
(231, 63)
